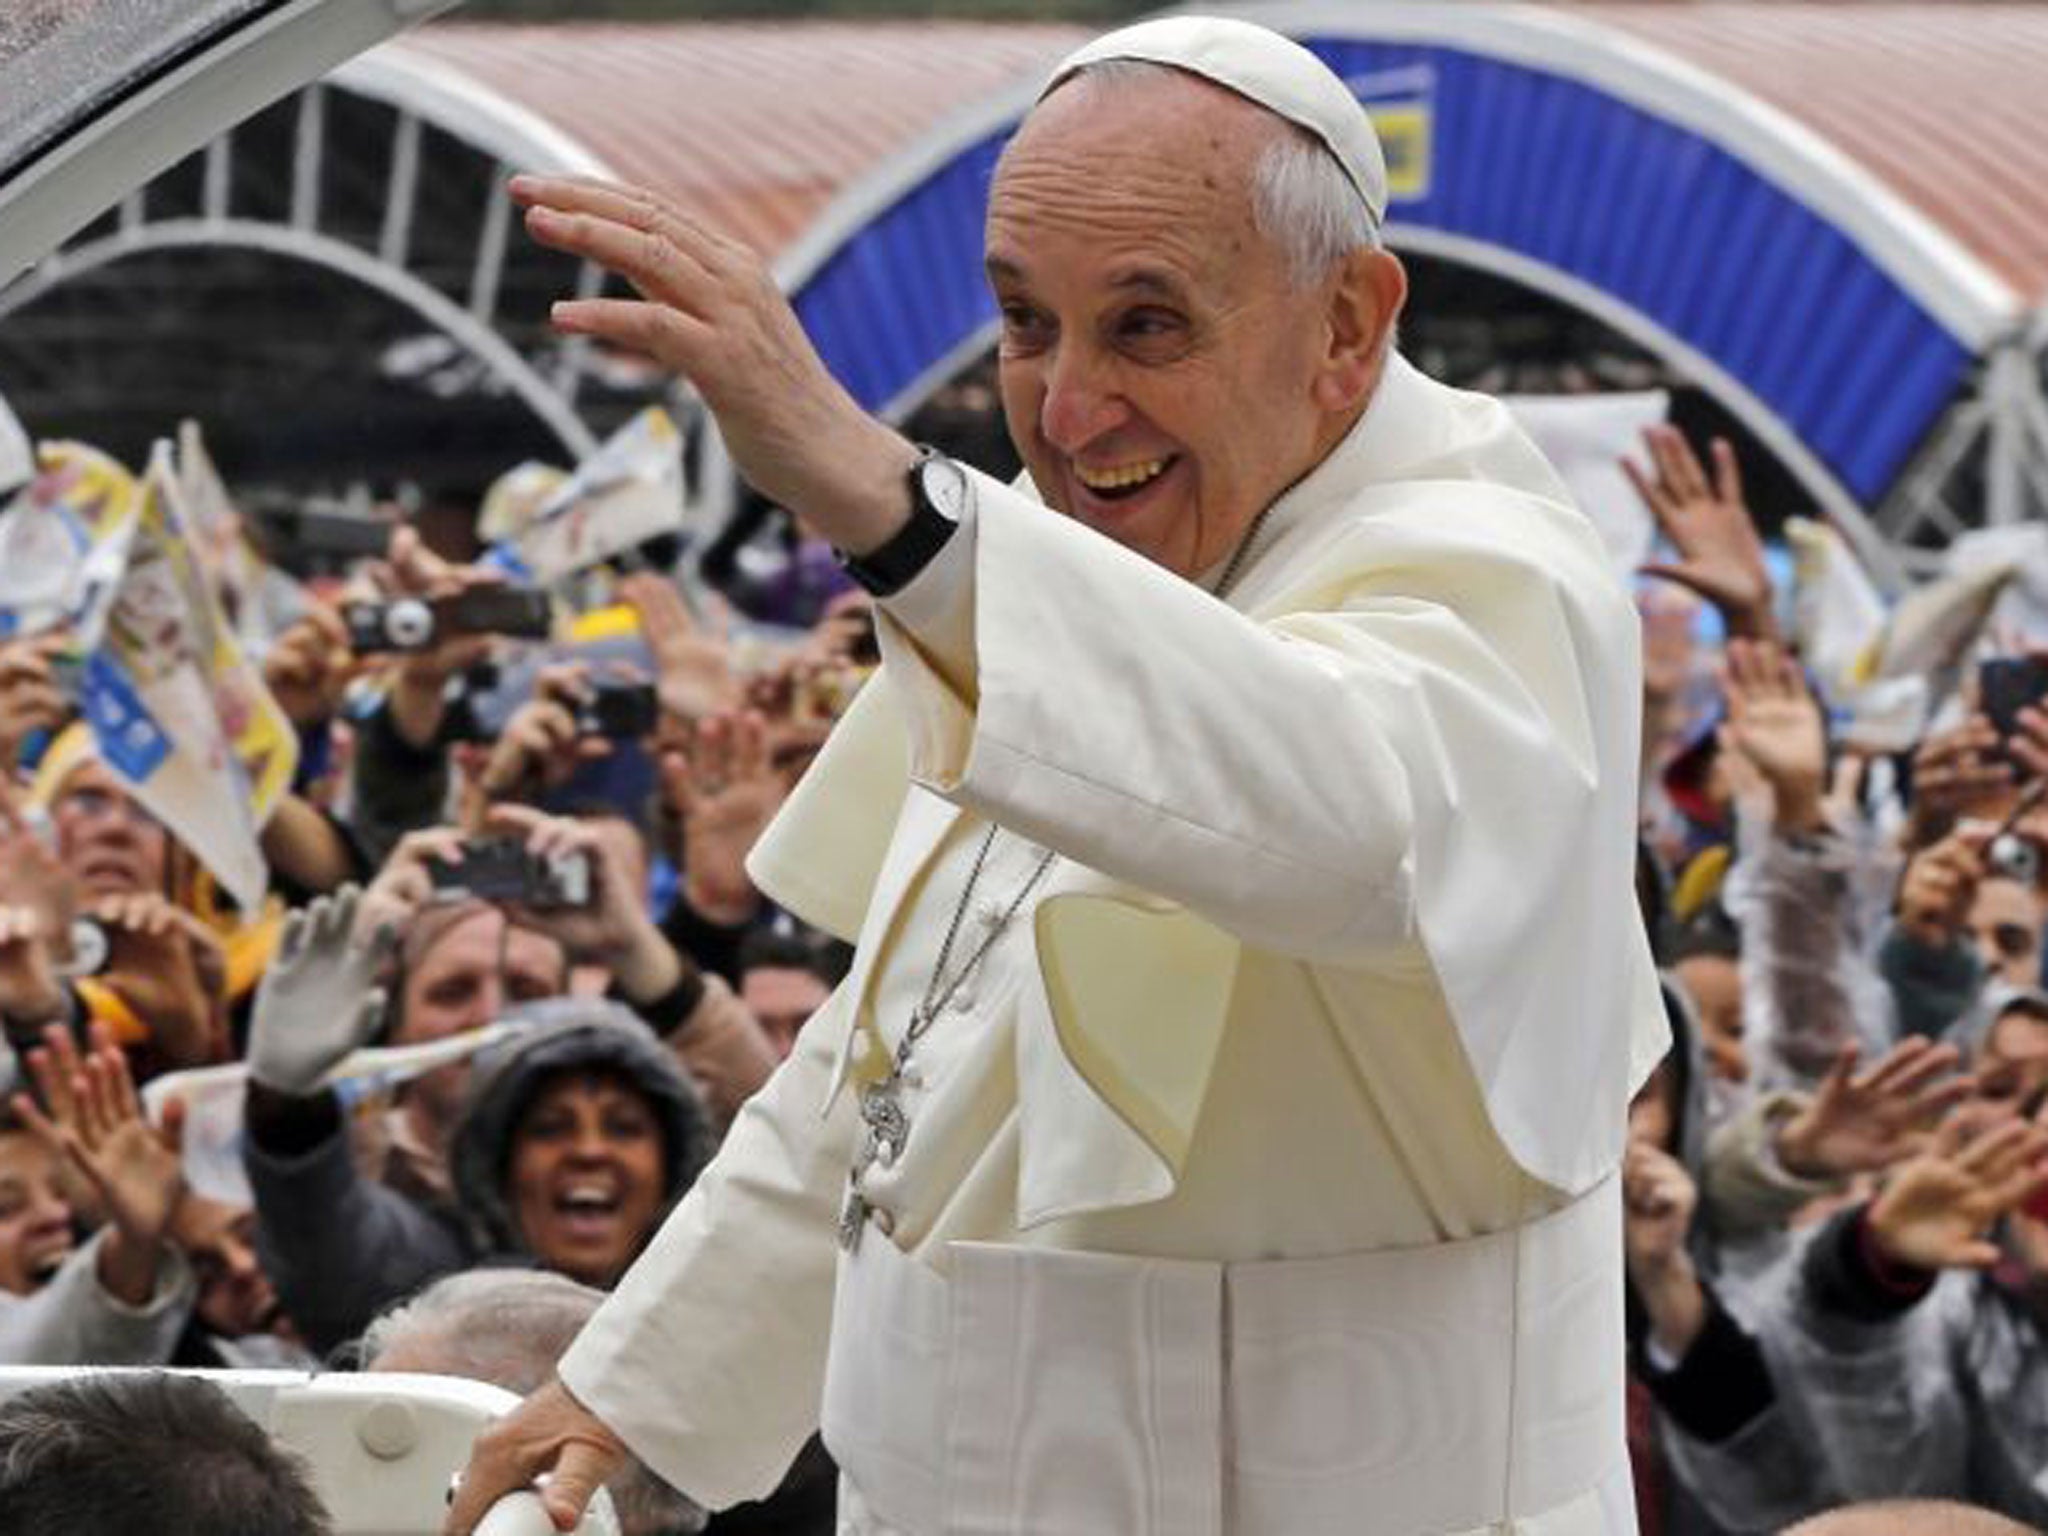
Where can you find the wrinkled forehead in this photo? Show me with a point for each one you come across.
(1144, 113)
(1107, 173)
(479, 936)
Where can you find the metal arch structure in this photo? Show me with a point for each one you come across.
(1852, 334)
(421, 95)
(341, 258)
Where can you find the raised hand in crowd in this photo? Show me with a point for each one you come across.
(1936, 1211)
(38, 903)
(1956, 773)
(310, 666)
(1860, 1122)
(92, 1120)
(724, 790)
(693, 663)
(1939, 885)
(1658, 1201)
(319, 1000)
(1708, 523)
(844, 634)
(31, 985)
(1775, 722)
(419, 680)
(170, 969)
(30, 698)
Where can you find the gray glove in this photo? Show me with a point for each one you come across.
(319, 1000)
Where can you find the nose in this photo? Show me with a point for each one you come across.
(591, 1144)
(52, 1211)
(238, 1260)
(487, 1002)
(1081, 402)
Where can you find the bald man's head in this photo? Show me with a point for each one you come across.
(1910, 1517)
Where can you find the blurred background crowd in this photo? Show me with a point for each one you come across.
(514, 817)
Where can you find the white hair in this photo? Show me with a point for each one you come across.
(1301, 198)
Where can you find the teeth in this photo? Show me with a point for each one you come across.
(1121, 476)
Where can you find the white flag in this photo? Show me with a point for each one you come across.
(1586, 437)
(629, 491)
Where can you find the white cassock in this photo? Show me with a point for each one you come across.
(1262, 1179)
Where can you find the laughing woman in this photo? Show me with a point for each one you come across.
(575, 1139)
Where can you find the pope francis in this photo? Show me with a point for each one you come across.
(1217, 1129)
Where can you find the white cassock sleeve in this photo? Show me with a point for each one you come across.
(709, 1358)
(1421, 733)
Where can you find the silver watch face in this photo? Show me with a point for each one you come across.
(945, 485)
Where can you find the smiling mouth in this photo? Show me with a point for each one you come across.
(1119, 482)
(588, 1208)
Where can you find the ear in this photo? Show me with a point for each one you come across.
(1365, 299)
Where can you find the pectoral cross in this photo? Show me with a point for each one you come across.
(881, 1110)
(888, 1123)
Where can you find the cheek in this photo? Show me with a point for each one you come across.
(643, 1164)
(1017, 387)
(526, 1177)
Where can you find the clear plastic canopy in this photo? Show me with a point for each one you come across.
(63, 62)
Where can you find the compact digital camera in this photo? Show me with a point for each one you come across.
(502, 869)
(415, 623)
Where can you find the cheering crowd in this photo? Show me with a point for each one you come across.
(520, 863)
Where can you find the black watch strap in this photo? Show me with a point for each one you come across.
(889, 568)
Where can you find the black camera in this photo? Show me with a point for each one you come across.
(2006, 685)
(503, 869)
(415, 623)
(619, 711)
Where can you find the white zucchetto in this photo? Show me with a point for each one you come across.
(1262, 66)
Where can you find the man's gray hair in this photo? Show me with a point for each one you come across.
(504, 1326)
(509, 1327)
(1301, 197)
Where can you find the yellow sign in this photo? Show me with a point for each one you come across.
(1404, 130)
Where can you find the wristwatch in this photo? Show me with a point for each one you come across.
(938, 500)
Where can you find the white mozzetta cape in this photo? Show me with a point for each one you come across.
(1402, 764)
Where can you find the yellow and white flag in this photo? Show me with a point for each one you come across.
(177, 710)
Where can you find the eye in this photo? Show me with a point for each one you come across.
(1151, 332)
(1025, 327)
(550, 1125)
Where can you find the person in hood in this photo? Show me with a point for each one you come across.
(575, 1138)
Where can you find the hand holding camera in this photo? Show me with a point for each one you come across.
(569, 721)
(609, 925)
(32, 694)
(437, 617)
(310, 667)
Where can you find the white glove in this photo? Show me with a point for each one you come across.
(319, 1000)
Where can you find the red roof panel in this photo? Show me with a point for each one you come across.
(758, 125)
(755, 126)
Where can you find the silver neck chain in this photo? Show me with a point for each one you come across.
(1235, 566)
(939, 990)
